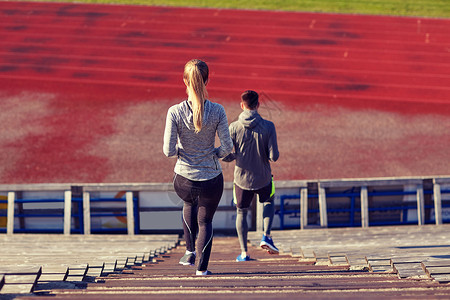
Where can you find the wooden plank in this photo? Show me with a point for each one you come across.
(359, 182)
(35, 187)
(308, 254)
(67, 211)
(442, 278)
(18, 270)
(131, 260)
(54, 273)
(303, 207)
(112, 187)
(130, 212)
(139, 259)
(407, 260)
(86, 213)
(77, 272)
(296, 252)
(420, 205)
(357, 262)
(121, 263)
(321, 258)
(338, 259)
(134, 187)
(105, 254)
(364, 207)
(379, 265)
(437, 202)
(380, 269)
(437, 263)
(10, 213)
(20, 280)
(17, 288)
(323, 207)
(146, 257)
(95, 271)
(409, 270)
(442, 180)
(52, 277)
(109, 268)
(441, 270)
(291, 184)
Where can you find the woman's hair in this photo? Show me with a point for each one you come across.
(196, 74)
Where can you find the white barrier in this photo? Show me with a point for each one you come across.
(160, 198)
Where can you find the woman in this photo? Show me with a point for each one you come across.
(190, 132)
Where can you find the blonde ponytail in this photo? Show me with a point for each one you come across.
(196, 74)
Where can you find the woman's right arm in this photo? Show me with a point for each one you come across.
(232, 156)
(170, 134)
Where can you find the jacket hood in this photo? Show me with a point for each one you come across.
(249, 118)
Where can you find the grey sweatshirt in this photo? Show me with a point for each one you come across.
(197, 156)
(255, 145)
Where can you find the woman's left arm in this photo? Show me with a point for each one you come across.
(226, 144)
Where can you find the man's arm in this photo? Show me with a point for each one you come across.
(273, 145)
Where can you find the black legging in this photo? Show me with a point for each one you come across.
(201, 199)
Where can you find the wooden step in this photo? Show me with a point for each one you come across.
(19, 280)
(382, 265)
(357, 262)
(409, 270)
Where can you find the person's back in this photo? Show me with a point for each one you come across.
(190, 131)
(197, 156)
(255, 145)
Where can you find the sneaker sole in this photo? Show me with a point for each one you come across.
(207, 274)
(269, 249)
(186, 264)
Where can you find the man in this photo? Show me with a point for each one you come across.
(255, 145)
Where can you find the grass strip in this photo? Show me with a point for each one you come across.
(422, 8)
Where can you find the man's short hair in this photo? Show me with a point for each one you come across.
(250, 99)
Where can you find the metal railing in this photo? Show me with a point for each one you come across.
(319, 191)
(362, 189)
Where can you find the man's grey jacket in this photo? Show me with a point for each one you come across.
(255, 145)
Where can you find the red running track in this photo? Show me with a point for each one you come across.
(84, 88)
